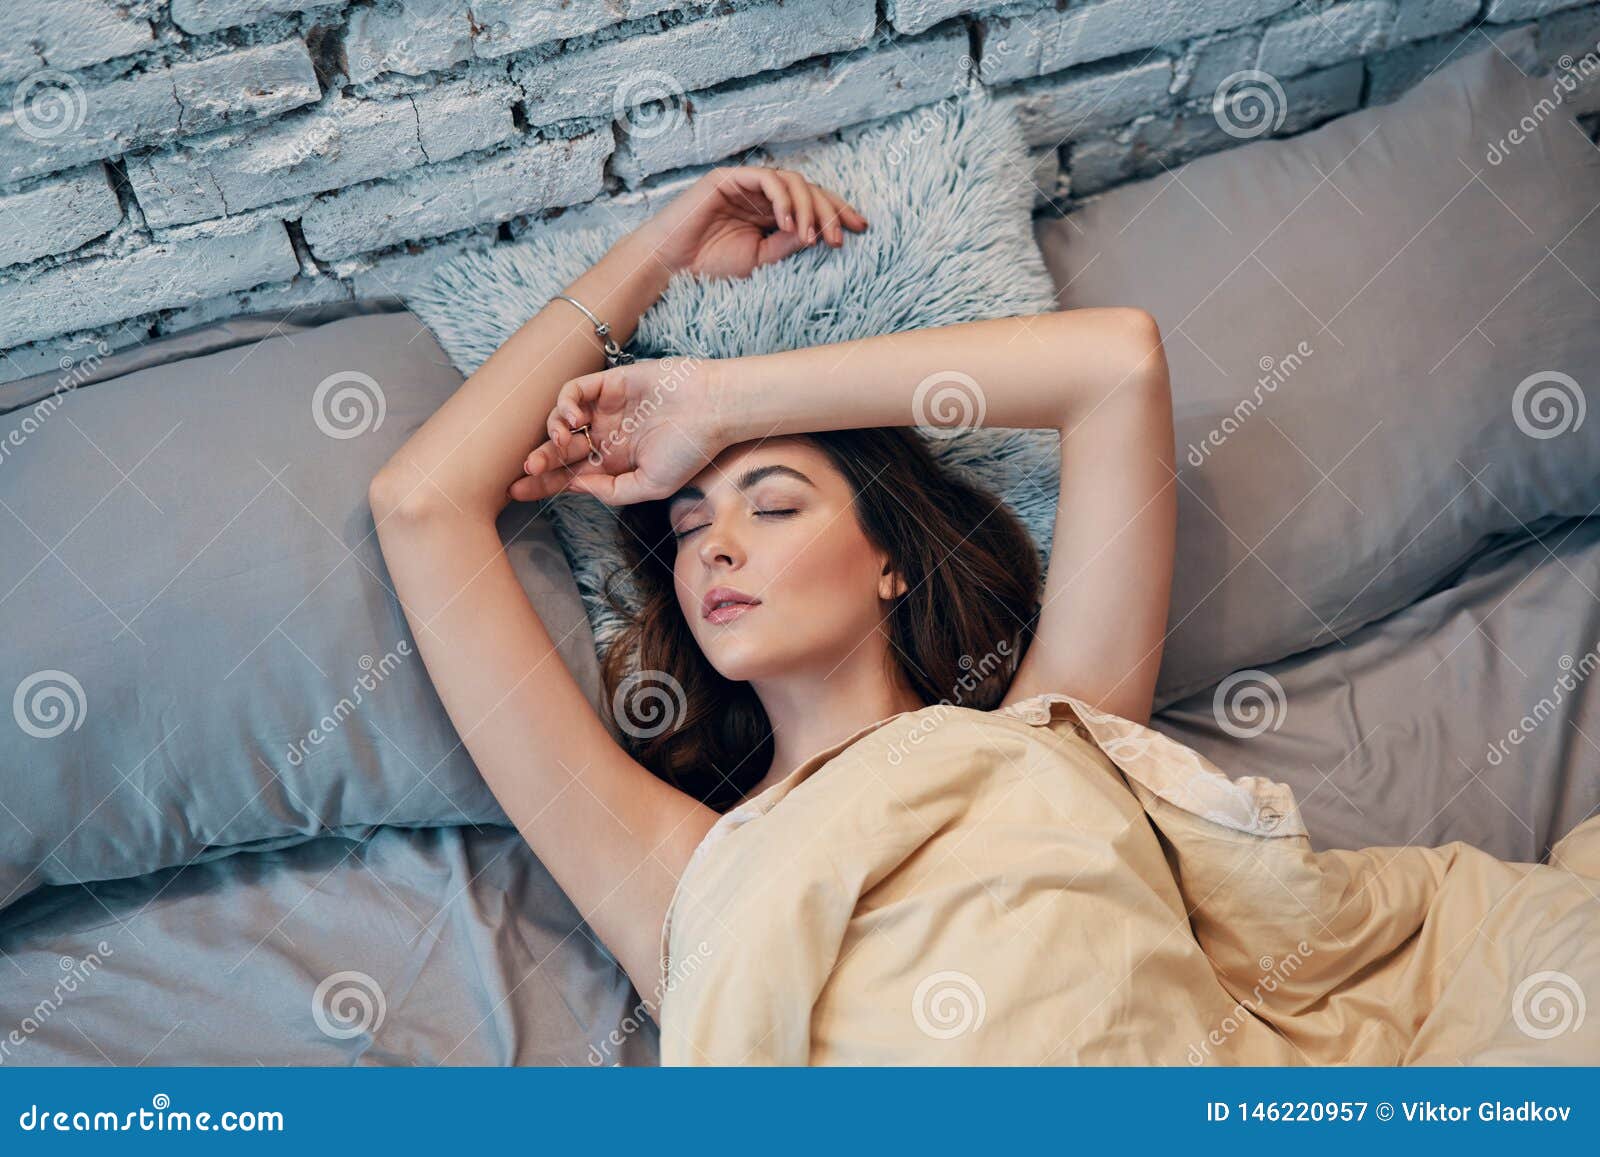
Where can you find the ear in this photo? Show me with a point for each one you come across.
(890, 584)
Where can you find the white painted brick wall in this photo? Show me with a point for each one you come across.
(165, 163)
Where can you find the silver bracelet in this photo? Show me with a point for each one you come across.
(615, 354)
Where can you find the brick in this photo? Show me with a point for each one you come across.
(421, 37)
(438, 199)
(911, 16)
(402, 272)
(210, 15)
(301, 292)
(62, 354)
(156, 107)
(1050, 188)
(1154, 144)
(1575, 34)
(594, 81)
(1072, 104)
(162, 275)
(67, 34)
(1208, 64)
(1505, 10)
(1415, 19)
(806, 102)
(1046, 41)
(507, 26)
(1290, 47)
(59, 216)
(1393, 72)
(341, 142)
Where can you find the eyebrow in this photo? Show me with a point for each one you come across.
(746, 480)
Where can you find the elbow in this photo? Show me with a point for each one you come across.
(1145, 353)
(400, 497)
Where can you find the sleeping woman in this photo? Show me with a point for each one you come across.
(900, 804)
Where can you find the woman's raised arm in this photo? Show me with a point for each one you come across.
(1097, 375)
(614, 836)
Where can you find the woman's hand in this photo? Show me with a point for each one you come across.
(735, 218)
(652, 425)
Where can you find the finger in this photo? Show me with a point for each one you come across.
(805, 223)
(533, 487)
(772, 187)
(832, 218)
(777, 246)
(551, 456)
(849, 216)
(613, 489)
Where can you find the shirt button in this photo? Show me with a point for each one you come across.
(1268, 817)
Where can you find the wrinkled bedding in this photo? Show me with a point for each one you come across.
(441, 946)
(1048, 884)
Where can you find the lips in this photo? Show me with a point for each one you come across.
(723, 604)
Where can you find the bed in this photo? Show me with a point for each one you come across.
(1465, 712)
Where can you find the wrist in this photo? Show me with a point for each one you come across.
(644, 259)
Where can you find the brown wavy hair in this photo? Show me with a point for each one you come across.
(973, 577)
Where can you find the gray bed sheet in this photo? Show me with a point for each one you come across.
(413, 946)
(1472, 715)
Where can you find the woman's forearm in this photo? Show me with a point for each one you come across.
(1036, 371)
(466, 454)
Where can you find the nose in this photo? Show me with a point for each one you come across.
(718, 546)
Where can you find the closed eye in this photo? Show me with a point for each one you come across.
(680, 535)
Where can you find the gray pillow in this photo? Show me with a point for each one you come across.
(202, 651)
(1439, 259)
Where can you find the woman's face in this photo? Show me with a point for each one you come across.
(773, 524)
